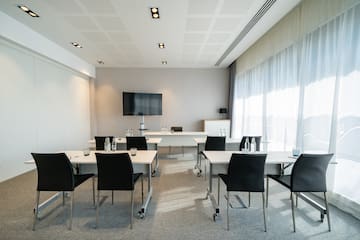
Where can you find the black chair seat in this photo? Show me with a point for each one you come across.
(80, 178)
(284, 180)
(136, 176)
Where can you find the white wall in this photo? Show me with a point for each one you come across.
(189, 95)
(44, 106)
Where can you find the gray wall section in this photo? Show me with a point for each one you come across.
(44, 107)
(189, 96)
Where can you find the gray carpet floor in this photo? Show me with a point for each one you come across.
(177, 210)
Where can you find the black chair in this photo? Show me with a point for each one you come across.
(136, 142)
(245, 174)
(55, 173)
(257, 141)
(100, 140)
(308, 175)
(115, 172)
(213, 143)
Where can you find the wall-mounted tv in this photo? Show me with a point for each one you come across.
(136, 103)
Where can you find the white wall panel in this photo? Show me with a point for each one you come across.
(44, 106)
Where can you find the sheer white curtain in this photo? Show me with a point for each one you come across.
(347, 137)
(248, 104)
(282, 101)
(308, 96)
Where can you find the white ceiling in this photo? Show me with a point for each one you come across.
(122, 33)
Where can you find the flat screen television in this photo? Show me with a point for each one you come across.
(136, 103)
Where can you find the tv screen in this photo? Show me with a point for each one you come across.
(135, 103)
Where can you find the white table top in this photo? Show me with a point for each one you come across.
(227, 140)
(123, 140)
(169, 133)
(223, 157)
(77, 157)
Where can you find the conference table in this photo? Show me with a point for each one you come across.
(142, 162)
(121, 145)
(219, 161)
(230, 144)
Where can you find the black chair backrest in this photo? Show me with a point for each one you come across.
(115, 171)
(309, 173)
(215, 143)
(55, 172)
(136, 142)
(257, 140)
(246, 172)
(176, 129)
(100, 140)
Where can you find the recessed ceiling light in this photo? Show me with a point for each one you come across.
(161, 45)
(155, 12)
(100, 62)
(163, 62)
(75, 44)
(28, 11)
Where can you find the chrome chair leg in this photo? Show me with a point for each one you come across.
(142, 189)
(132, 208)
(71, 208)
(205, 169)
(63, 198)
(36, 209)
(112, 197)
(292, 210)
(97, 208)
(297, 199)
(267, 191)
(249, 199)
(327, 211)
(264, 210)
(227, 210)
(93, 188)
(218, 191)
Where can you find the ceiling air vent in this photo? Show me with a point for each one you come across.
(264, 8)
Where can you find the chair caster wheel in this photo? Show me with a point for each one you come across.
(141, 215)
(214, 217)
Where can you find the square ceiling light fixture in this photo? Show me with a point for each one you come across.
(155, 12)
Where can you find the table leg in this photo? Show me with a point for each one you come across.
(144, 207)
(211, 195)
(156, 168)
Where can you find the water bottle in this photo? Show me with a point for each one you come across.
(253, 145)
(247, 143)
(107, 146)
(113, 144)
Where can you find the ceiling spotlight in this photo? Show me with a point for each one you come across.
(163, 62)
(155, 12)
(100, 62)
(161, 45)
(28, 11)
(75, 44)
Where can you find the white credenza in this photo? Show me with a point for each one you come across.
(182, 139)
(217, 127)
